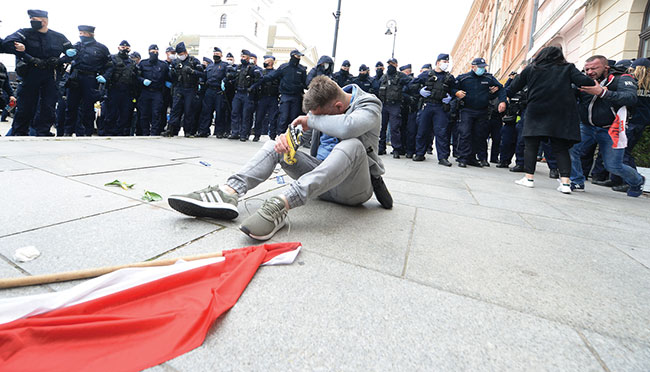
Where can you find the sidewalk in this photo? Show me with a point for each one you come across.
(467, 272)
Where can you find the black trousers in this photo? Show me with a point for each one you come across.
(560, 149)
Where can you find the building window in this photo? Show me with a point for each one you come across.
(644, 48)
(255, 28)
(223, 21)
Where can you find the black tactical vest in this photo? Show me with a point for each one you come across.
(439, 87)
(389, 89)
(270, 89)
(124, 74)
(245, 77)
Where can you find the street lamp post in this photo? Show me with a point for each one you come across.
(391, 29)
(337, 16)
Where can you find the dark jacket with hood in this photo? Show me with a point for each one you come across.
(320, 69)
(601, 111)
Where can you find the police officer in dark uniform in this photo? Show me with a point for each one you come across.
(325, 66)
(513, 114)
(243, 77)
(474, 89)
(214, 99)
(121, 77)
(343, 76)
(266, 117)
(38, 50)
(170, 54)
(409, 113)
(185, 73)
(88, 67)
(364, 81)
(293, 82)
(5, 87)
(379, 72)
(152, 74)
(390, 94)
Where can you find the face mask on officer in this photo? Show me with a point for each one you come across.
(124, 52)
(480, 71)
(182, 57)
(216, 58)
(36, 25)
(444, 66)
(153, 56)
(326, 66)
(391, 69)
(244, 61)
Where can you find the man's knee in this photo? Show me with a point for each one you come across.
(352, 147)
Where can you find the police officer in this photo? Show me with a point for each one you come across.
(121, 77)
(6, 88)
(243, 77)
(325, 67)
(87, 69)
(343, 76)
(364, 81)
(170, 54)
(474, 89)
(293, 82)
(390, 94)
(152, 74)
(379, 72)
(410, 103)
(185, 73)
(37, 51)
(514, 111)
(266, 117)
(214, 99)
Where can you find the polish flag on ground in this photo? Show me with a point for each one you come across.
(130, 319)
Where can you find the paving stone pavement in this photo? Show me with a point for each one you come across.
(468, 271)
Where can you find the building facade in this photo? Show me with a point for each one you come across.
(508, 33)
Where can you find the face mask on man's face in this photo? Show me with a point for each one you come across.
(182, 57)
(480, 71)
(326, 66)
(444, 66)
(36, 25)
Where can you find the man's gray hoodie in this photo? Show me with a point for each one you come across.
(362, 120)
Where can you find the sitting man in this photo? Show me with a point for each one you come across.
(343, 166)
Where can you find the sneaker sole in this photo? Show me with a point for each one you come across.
(525, 185)
(197, 208)
(263, 237)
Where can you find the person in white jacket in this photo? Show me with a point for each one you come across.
(343, 166)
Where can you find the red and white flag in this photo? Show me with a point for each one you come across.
(130, 319)
(617, 129)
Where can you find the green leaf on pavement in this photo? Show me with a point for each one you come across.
(151, 196)
(118, 183)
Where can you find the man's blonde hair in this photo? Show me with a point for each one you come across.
(642, 75)
(322, 90)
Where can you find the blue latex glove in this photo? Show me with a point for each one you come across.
(424, 92)
(71, 52)
(223, 85)
(447, 99)
(146, 82)
(101, 79)
(168, 84)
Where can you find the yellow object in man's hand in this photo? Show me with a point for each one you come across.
(294, 138)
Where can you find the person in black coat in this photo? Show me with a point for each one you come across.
(551, 112)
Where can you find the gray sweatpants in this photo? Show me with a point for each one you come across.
(343, 177)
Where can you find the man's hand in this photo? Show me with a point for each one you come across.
(595, 90)
(281, 144)
(502, 107)
(20, 47)
(494, 89)
(461, 94)
(12, 99)
(301, 120)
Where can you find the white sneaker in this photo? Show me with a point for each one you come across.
(564, 188)
(525, 182)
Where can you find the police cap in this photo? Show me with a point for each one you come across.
(180, 47)
(363, 68)
(216, 49)
(246, 52)
(624, 63)
(154, 47)
(427, 65)
(379, 64)
(345, 63)
(392, 60)
(86, 28)
(269, 57)
(135, 55)
(229, 55)
(253, 55)
(442, 56)
(295, 52)
(405, 67)
(645, 62)
(125, 43)
(480, 62)
(170, 49)
(37, 13)
(206, 59)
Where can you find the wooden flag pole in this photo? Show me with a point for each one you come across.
(91, 273)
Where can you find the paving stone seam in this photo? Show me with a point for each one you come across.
(122, 170)
(469, 190)
(409, 243)
(592, 350)
(186, 244)
(14, 265)
(627, 254)
(72, 220)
